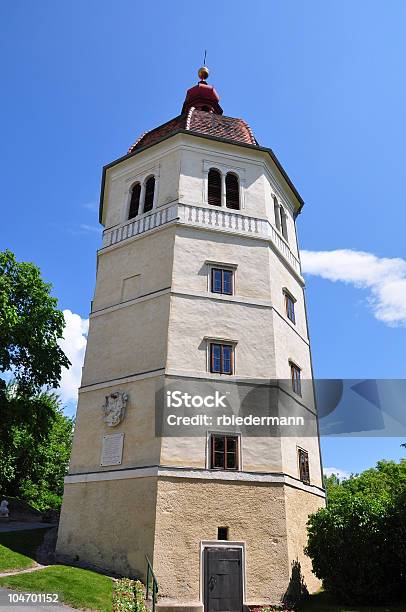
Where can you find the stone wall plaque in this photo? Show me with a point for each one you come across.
(112, 449)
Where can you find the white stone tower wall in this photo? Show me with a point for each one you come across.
(151, 317)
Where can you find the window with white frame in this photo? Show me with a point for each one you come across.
(303, 461)
(221, 277)
(295, 373)
(221, 357)
(224, 452)
(290, 306)
(221, 281)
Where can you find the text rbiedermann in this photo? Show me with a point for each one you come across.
(225, 420)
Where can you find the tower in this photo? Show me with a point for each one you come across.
(198, 279)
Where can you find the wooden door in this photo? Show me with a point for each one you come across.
(223, 579)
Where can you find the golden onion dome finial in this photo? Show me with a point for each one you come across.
(203, 73)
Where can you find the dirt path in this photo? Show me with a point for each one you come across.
(26, 570)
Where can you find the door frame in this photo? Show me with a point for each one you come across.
(221, 544)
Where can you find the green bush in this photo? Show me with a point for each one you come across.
(128, 596)
(358, 543)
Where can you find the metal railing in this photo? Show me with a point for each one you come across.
(151, 588)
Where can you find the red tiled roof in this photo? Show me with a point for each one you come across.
(200, 122)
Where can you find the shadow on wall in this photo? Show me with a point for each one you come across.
(297, 589)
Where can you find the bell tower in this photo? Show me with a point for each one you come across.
(199, 280)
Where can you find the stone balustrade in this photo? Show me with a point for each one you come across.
(228, 221)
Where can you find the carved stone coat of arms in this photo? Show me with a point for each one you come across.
(114, 408)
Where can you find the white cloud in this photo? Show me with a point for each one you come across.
(341, 474)
(384, 278)
(74, 345)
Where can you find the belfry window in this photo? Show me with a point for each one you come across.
(232, 191)
(134, 201)
(284, 227)
(214, 187)
(277, 213)
(149, 194)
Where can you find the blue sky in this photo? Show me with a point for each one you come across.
(320, 83)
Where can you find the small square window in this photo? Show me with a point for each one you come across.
(222, 281)
(304, 472)
(224, 452)
(221, 358)
(290, 307)
(222, 533)
(296, 381)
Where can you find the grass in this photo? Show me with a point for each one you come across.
(77, 587)
(85, 589)
(322, 602)
(17, 548)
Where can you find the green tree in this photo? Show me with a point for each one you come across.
(35, 443)
(331, 483)
(43, 487)
(30, 326)
(35, 436)
(358, 543)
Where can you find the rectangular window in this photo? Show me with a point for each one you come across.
(296, 383)
(304, 472)
(221, 281)
(290, 307)
(221, 358)
(224, 452)
(222, 533)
